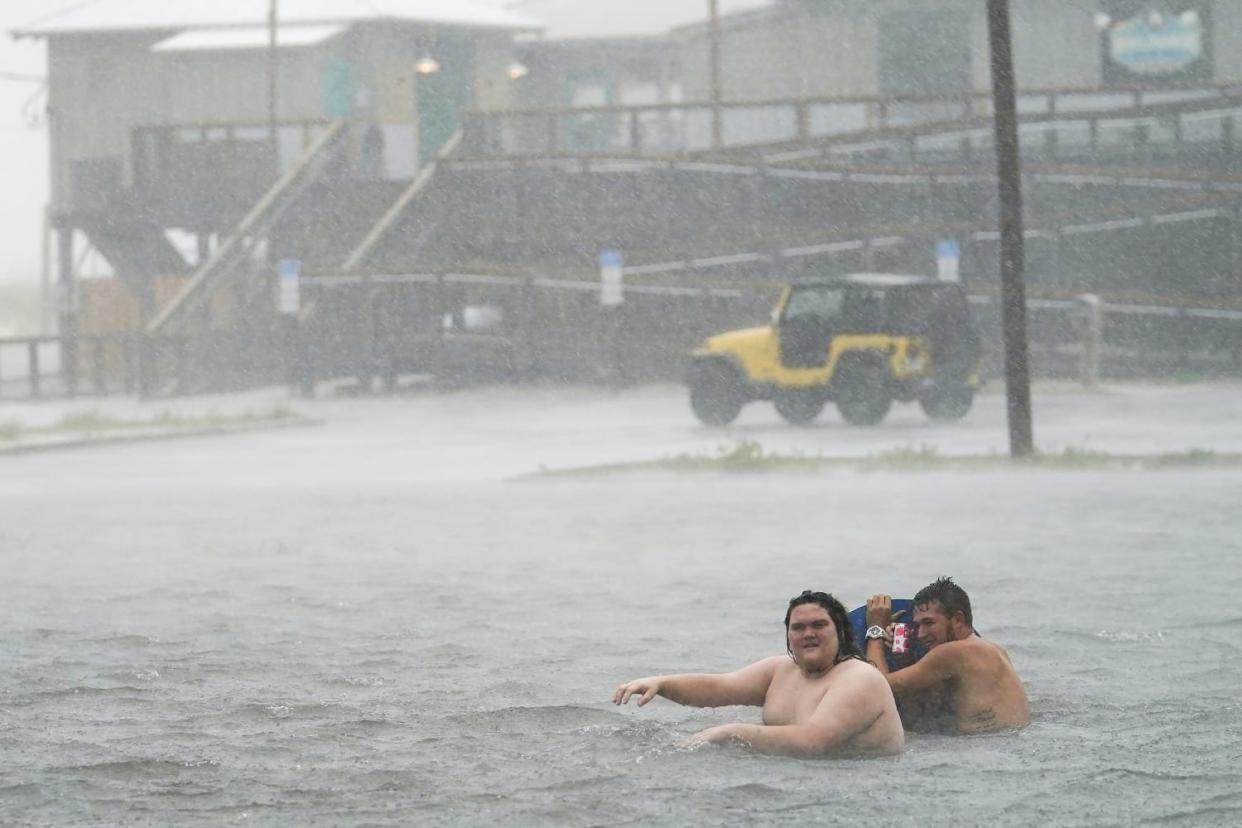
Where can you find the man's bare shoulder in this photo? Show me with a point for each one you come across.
(776, 663)
(773, 666)
(973, 652)
(860, 673)
(978, 644)
(973, 644)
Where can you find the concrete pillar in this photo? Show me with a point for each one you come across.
(67, 309)
(1090, 323)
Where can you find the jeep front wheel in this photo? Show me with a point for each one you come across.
(947, 403)
(862, 393)
(799, 406)
(715, 395)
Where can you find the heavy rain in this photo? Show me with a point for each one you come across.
(387, 386)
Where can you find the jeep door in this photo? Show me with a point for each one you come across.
(808, 323)
(952, 335)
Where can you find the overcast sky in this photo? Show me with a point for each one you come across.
(23, 149)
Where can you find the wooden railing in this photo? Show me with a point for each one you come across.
(237, 246)
(558, 328)
(33, 367)
(675, 129)
(37, 367)
(394, 212)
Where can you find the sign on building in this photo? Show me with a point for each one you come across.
(1160, 41)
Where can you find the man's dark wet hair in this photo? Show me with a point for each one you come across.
(949, 596)
(847, 647)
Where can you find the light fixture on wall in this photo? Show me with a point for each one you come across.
(427, 65)
(517, 70)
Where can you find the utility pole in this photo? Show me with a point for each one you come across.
(1013, 288)
(713, 60)
(273, 76)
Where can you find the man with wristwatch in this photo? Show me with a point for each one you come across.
(963, 683)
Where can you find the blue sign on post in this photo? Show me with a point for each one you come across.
(948, 260)
(611, 292)
(288, 272)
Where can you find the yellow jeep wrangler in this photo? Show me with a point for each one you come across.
(861, 341)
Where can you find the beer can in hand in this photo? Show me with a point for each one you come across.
(900, 640)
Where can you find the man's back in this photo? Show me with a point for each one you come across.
(983, 687)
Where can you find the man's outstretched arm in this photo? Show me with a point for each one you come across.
(748, 685)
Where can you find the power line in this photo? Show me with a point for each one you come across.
(52, 15)
(22, 78)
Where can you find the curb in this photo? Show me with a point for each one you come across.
(137, 435)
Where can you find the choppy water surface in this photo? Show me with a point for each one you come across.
(429, 655)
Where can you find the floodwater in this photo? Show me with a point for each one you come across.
(210, 631)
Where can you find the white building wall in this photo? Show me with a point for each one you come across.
(1227, 40)
(104, 86)
(831, 49)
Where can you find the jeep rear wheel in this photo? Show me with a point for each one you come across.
(716, 395)
(799, 406)
(947, 403)
(862, 393)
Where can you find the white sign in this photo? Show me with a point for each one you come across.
(1154, 43)
(948, 260)
(288, 272)
(611, 292)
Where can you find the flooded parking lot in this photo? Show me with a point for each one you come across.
(380, 620)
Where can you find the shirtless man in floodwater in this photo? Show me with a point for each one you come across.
(822, 698)
(963, 683)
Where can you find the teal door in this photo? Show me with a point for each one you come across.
(441, 97)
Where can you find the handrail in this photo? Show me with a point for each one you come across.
(977, 122)
(1219, 90)
(1122, 302)
(877, 118)
(389, 218)
(224, 253)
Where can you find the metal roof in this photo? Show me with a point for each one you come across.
(139, 15)
(246, 37)
(598, 19)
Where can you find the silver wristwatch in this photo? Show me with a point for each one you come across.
(874, 631)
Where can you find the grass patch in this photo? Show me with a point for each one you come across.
(1071, 457)
(86, 422)
(1193, 458)
(744, 455)
(909, 456)
(749, 456)
(97, 423)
